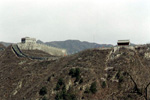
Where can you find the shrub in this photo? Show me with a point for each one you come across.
(77, 72)
(65, 95)
(93, 88)
(49, 78)
(44, 98)
(73, 97)
(64, 89)
(125, 74)
(118, 74)
(87, 90)
(81, 81)
(58, 97)
(69, 96)
(72, 72)
(77, 78)
(60, 82)
(103, 84)
(43, 91)
(57, 87)
(120, 79)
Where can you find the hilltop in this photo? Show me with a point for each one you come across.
(74, 46)
(6, 44)
(2, 46)
(93, 74)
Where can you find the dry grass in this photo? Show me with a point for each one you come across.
(34, 75)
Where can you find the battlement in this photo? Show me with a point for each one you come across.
(123, 42)
(28, 40)
(30, 44)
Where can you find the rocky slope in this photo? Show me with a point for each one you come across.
(95, 74)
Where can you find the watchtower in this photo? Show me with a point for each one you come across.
(28, 40)
(123, 42)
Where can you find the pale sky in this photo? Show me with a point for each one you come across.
(100, 21)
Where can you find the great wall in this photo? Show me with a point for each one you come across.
(30, 44)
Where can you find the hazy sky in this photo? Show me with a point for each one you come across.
(101, 21)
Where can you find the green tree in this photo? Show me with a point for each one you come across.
(65, 95)
(58, 97)
(77, 72)
(57, 87)
(44, 98)
(60, 82)
(72, 72)
(87, 90)
(81, 81)
(43, 91)
(103, 84)
(77, 78)
(120, 79)
(93, 88)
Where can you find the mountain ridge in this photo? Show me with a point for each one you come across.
(74, 46)
(118, 75)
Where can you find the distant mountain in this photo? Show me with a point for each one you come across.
(39, 41)
(73, 46)
(2, 47)
(132, 44)
(6, 44)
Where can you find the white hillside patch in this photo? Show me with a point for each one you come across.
(147, 55)
(17, 88)
(68, 85)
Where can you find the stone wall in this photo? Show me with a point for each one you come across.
(28, 40)
(116, 48)
(42, 47)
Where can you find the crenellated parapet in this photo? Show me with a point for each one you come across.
(30, 44)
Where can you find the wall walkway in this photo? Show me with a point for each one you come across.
(48, 49)
(19, 53)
